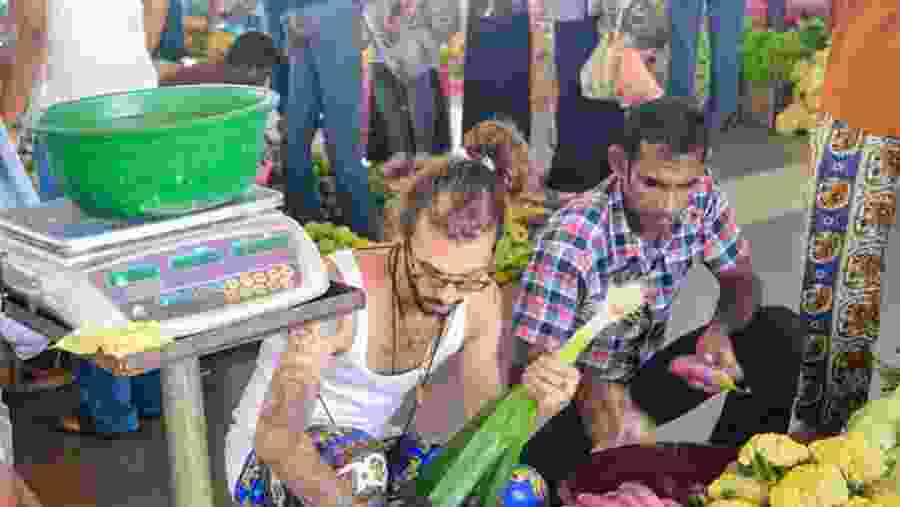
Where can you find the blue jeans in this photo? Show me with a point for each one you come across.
(171, 40)
(726, 24)
(48, 188)
(323, 78)
(116, 403)
(16, 189)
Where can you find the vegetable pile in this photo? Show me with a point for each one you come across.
(857, 468)
(808, 76)
(330, 238)
(768, 55)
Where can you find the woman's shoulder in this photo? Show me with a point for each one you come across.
(371, 263)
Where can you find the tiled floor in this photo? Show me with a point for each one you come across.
(135, 471)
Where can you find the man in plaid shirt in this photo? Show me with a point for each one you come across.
(659, 211)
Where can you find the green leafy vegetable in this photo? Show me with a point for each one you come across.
(768, 55)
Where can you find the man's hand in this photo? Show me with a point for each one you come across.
(116, 365)
(551, 383)
(714, 348)
(13, 136)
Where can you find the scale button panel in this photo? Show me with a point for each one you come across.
(207, 297)
(204, 276)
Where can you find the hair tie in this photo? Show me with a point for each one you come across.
(497, 158)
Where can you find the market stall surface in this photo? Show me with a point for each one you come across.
(72, 470)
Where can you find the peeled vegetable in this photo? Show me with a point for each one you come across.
(811, 486)
(776, 449)
(133, 338)
(730, 486)
(733, 502)
(860, 461)
(885, 499)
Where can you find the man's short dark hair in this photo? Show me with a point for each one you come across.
(254, 49)
(251, 59)
(675, 121)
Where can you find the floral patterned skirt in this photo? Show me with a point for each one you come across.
(257, 486)
(850, 217)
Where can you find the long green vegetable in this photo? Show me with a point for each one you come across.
(484, 445)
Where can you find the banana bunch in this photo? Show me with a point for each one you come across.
(331, 238)
(515, 247)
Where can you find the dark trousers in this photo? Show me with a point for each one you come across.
(769, 349)
(585, 127)
(497, 81)
(409, 118)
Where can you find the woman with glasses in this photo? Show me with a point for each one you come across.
(430, 296)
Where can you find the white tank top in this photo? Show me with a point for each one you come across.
(356, 397)
(95, 47)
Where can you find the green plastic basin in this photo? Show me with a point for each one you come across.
(158, 152)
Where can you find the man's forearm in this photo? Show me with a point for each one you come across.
(299, 466)
(739, 298)
(281, 439)
(30, 56)
(155, 14)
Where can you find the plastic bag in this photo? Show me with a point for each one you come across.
(616, 69)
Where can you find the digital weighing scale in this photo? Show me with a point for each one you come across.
(214, 280)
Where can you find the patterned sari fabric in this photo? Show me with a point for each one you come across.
(852, 213)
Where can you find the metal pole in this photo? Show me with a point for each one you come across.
(185, 422)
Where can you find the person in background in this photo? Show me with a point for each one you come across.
(725, 25)
(659, 211)
(320, 87)
(82, 61)
(16, 191)
(424, 306)
(249, 62)
(854, 169)
(171, 48)
(112, 60)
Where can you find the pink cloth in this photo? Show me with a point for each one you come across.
(264, 173)
(795, 8)
(365, 107)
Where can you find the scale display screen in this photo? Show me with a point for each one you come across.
(198, 258)
(247, 247)
(132, 276)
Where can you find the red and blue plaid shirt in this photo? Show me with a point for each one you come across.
(588, 244)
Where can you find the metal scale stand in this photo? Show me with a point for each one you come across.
(215, 280)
